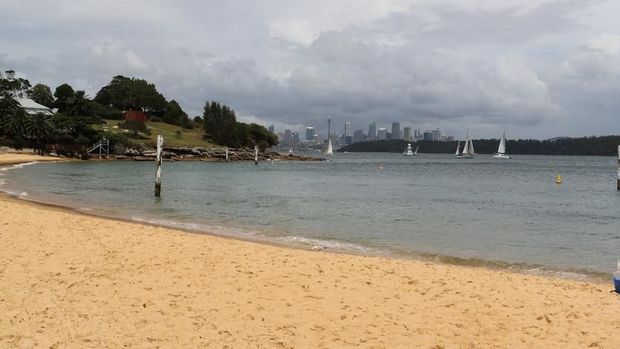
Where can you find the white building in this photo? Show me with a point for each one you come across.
(32, 108)
(382, 133)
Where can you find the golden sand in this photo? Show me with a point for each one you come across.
(14, 158)
(76, 281)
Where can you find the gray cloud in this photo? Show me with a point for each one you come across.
(526, 68)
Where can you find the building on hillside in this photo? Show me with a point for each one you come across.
(134, 115)
(32, 108)
(272, 129)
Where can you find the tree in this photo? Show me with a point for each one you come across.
(17, 123)
(135, 126)
(220, 123)
(8, 108)
(125, 93)
(79, 104)
(40, 128)
(42, 94)
(63, 94)
(221, 126)
(174, 113)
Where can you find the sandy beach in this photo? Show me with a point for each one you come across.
(76, 281)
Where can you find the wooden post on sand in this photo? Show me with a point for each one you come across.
(160, 143)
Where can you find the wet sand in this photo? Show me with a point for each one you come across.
(71, 280)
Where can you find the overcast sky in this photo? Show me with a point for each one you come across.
(536, 68)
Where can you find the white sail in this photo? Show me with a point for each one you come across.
(458, 146)
(471, 148)
(502, 144)
(329, 151)
(466, 147)
(416, 150)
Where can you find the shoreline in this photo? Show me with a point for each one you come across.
(580, 275)
(574, 274)
(72, 279)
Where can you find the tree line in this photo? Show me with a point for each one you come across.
(603, 146)
(70, 127)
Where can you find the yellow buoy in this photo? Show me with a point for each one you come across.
(558, 179)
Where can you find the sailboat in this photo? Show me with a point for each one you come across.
(408, 151)
(468, 149)
(416, 150)
(501, 150)
(329, 150)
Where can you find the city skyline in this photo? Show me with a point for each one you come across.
(541, 68)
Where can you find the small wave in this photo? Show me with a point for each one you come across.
(563, 274)
(211, 229)
(320, 244)
(16, 166)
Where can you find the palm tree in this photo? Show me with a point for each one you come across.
(39, 127)
(79, 105)
(8, 107)
(17, 123)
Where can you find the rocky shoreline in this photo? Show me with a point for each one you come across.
(208, 154)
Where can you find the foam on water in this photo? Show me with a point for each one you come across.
(323, 244)
(197, 227)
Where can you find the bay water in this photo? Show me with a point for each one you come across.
(505, 213)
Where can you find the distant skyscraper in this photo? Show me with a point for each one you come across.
(358, 136)
(428, 135)
(436, 134)
(272, 129)
(382, 134)
(396, 130)
(309, 133)
(347, 129)
(407, 133)
(417, 134)
(288, 138)
(372, 131)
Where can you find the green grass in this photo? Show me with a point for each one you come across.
(187, 138)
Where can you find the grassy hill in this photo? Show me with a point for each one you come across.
(186, 138)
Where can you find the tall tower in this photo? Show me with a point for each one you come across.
(329, 128)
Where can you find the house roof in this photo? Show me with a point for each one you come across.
(33, 107)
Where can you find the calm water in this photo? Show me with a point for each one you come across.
(481, 209)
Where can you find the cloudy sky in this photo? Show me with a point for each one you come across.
(536, 68)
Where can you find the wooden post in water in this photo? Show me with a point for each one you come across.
(618, 185)
(255, 155)
(160, 143)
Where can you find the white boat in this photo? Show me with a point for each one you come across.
(468, 149)
(330, 150)
(290, 151)
(501, 150)
(408, 151)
